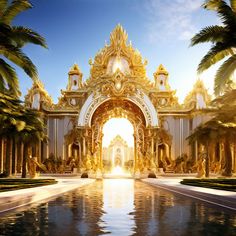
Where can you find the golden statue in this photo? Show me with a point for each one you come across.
(201, 173)
(32, 167)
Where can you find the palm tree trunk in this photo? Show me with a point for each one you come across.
(24, 160)
(9, 157)
(13, 156)
(228, 159)
(207, 160)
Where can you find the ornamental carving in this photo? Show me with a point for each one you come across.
(118, 85)
(118, 49)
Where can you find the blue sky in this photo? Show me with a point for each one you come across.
(76, 29)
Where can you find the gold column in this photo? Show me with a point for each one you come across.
(152, 149)
(84, 147)
(101, 164)
(135, 154)
(80, 155)
(69, 150)
(157, 157)
(196, 151)
(63, 151)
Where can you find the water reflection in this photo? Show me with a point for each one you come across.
(119, 207)
(118, 204)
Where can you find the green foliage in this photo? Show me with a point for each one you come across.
(19, 121)
(223, 125)
(226, 70)
(223, 39)
(9, 11)
(12, 39)
(222, 184)
(16, 184)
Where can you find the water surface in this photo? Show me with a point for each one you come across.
(119, 207)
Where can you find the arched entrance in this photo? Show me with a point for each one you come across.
(118, 108)
(145, 137)
(118, 146)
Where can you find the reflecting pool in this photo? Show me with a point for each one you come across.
(119, 207)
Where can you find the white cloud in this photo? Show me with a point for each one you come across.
(171, 18)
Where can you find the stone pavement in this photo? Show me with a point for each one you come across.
(18, 198)
(226, 199)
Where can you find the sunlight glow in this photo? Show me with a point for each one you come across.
(117, 65)
(118, 126)
(117, 171)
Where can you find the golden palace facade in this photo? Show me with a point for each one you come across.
(118, 87)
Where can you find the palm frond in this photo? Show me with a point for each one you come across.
(22, 36)
(16, 7)
(224, 74)
(215, 54)
(227, 15)
(233, 5)
(211, 4)
(227, 98)
(9, 77)
(2, 84)
(209, 34)
(15, 55)
(5, 32)
(3, 6)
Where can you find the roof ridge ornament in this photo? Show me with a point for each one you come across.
(118, 53)
(118, 38)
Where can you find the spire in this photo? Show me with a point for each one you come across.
(75, 78)
(118, 36)
(37, 95)
(161, 78)
(199, 96)
(161, 70)
(74, 70)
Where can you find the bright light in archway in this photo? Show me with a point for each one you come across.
(118, 126)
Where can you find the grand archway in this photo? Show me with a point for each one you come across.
(119, 108)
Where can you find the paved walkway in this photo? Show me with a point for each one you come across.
(226, 199)
(18, 198)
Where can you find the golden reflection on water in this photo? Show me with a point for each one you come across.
(119, 207)
(118, 204)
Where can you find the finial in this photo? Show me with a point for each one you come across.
(161, 70)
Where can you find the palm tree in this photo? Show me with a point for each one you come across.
(10, 124)
(33, 132)
(21, 124)
(12, 39)
(223, 38)
(14, 122)
(222, 127)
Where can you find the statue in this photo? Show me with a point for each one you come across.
(72, 163)
(201, 173)
(32, 166)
